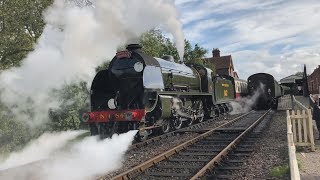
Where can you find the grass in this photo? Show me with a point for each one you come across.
(280, 171)
(300, 164)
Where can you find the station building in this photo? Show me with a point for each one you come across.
(314, 81)
(294, 82)
(223, 64)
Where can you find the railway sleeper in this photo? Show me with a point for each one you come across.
(216, 149)
(215, 141)
(230, 130)
(165, 174)
(182, 164)
(197, 153)
(220, 144)
(217, 138)
(189, 160)
(168, 166)
(222, 177)
(243, 150)
(228, 168)
(192, 130)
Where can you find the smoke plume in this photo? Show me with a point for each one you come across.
(245, 104)
(76, 39)
(84, 159)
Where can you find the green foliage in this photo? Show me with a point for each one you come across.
(21, 24)
(195, 54)
(74, 101)
(155, 44)
(280, 171)
(103, 66)
(15, 134)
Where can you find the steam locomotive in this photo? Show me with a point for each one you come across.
(152, 95)
(266, 88)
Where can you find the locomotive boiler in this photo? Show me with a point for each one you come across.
(152, 95)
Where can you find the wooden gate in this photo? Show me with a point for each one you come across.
(301, 126)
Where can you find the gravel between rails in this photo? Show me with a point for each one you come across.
(138, 155)
(271, 151)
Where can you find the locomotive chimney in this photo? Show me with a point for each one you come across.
(133, 47)
(215, 52)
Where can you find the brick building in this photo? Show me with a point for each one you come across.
(314, 81)
(223, 64)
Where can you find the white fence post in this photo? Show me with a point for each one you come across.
(294, 170)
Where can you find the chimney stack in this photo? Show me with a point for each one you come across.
(215, 52)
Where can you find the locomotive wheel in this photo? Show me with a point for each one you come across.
(178, 123)
(201, 119)
(142, 135)
(190, 122)
(165, 128)
(201, 112)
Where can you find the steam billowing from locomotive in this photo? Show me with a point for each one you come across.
(247, 103)
(78, 37)
(48, 157)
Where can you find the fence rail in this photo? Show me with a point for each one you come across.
(294, 170)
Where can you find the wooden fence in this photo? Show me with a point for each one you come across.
(302, 128)
(299, 133)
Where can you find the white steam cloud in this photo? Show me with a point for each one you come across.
(75, 40)
(40, 148)
(85, 159)
(245, 104)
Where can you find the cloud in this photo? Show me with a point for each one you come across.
(274, 36)
(280, 66)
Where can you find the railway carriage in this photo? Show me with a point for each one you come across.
(267, 88)
(241, 88)
(139, 92)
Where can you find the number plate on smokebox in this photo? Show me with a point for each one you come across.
(122, 116)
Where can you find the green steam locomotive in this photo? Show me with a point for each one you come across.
(152, 95)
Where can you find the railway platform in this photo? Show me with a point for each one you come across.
(309, 162)
(285, 103)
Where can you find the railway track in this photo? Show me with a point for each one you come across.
(198, 128)
(199, 156)
(232, 164)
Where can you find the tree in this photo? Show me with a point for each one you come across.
(193, 55)
(155, 44)
(21, 24)
(299, 74)
(103, 66)
(75, 101)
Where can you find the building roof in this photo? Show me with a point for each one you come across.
(222, 62)
(291, 79)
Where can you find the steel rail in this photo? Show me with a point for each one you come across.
(217, 159)
(131, 173)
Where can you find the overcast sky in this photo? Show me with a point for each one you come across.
(272, 36)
